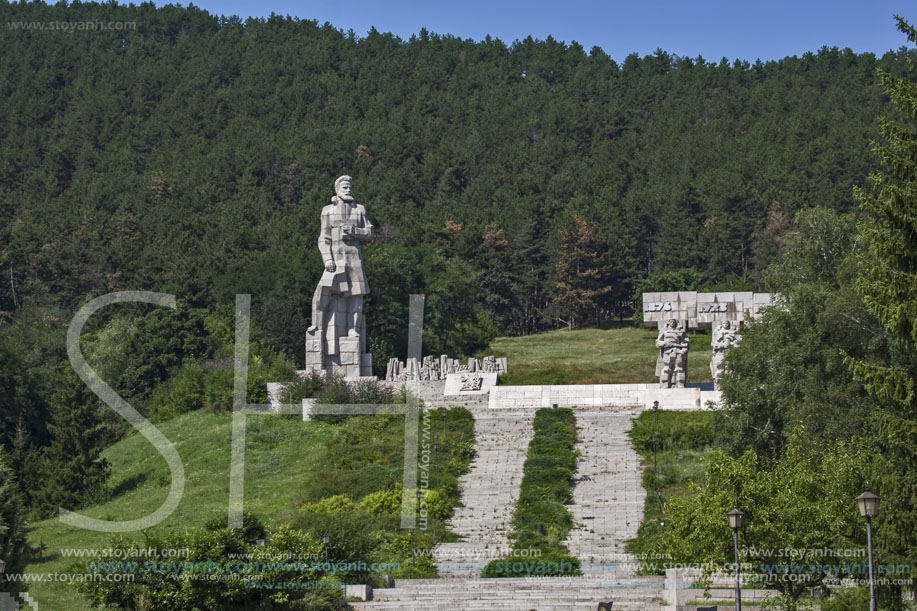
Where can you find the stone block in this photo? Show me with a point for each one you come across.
(454, 384)
(275, 395)
(349, 343)
(363, 592)
(307, 405)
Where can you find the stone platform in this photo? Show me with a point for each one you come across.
(623, 396)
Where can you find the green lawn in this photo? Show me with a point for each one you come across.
(683, 449)
(279, 455)
(624, 355)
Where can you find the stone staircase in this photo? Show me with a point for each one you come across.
(488, 492)
(608, 495)
(541, 594)
(607, 509)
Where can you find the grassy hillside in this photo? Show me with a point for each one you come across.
(624, 355)
(292, 469)
(280, 452)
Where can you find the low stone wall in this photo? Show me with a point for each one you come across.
(601, 395)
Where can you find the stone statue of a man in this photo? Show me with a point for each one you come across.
(337, 305)
(725, 335)
(672, 364)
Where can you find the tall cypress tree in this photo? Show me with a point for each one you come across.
(888, 285)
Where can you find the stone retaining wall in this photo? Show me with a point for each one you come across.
(601, 395)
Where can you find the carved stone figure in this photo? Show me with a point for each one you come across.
(471, 381)
(672, 364)
(336, 341)
(725, 335)
(433, 368)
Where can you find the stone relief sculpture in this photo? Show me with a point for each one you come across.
(471, 381)
(672, 364)
(725, 335)
(336, 341)
(433, 368)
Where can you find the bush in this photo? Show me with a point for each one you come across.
(161, 583)
(352, 539)
(674, 431)
(338, 503)
(338, 391)
(547, 564)
(850, 599)
(181, 393)
(382, 501)
(304, 387)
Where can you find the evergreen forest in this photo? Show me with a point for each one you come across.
(521, 186)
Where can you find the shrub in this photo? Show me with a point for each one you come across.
(333, 504)
(162, 583)
(382, 501)
(674, 431)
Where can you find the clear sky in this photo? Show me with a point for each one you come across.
(735, 29)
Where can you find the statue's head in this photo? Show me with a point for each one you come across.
(726, 324)
(671, 324)
(342, 188)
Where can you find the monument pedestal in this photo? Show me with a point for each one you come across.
(345, 358)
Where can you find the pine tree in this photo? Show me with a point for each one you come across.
(888, 286)
(579, 273)
(73, 466)
(888, 278)
(12, 525)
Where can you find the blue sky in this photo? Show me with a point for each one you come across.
(737, 29)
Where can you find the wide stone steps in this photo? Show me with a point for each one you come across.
(488, 493)
(542, 594)
(608, 494)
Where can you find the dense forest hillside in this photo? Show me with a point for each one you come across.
(520, 187)
(191, 154)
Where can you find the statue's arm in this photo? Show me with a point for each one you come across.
(365, 231)
(324, 239)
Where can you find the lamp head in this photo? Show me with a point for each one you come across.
(868, 503)
(735, 518)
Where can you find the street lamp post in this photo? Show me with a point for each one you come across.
(444, 423)
(418, 494)
(655, 414)
(326, 539)
(735, 523)
(868, 504)
(654, 455)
